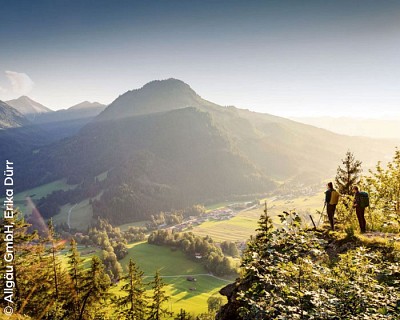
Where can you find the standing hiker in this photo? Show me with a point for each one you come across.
(331, 200)
(361, 201)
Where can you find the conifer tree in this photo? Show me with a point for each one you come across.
(52, 239)
(156, 310)
(76, 277)
(133, 305)
(94, 289)
(57, 281)
(183, 315)
(28, 267)
(264, 225)
(19, 262)
(349, 175)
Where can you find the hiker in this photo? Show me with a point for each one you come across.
(331, 200)
(360, 209)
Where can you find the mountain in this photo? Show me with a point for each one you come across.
(10, 117)
(155, 96)
(87, 105)
(67, 122)
(17, 134)
(374, 128)
(163, 146)
(82, 110)
(28, 107)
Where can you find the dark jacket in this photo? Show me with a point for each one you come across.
(328, 194)
(357, 199)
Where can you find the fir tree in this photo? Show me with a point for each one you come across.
(76, 277)
(54, 249)
(183, 315)
(21, 261)
(95, 288)
(349, 175)
(264, 225)
(56, 276)
(133, 305)
(156, 310)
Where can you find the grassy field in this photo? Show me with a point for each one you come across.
(37, 193)
(241, 227)
(174, 266)
(80, 217)
(216, 206)
(86, 255)
(125, 227)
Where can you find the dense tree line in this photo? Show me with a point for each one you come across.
(174, 217)
(203, 247)
(229, 248)
(102, 234)
(51, 204)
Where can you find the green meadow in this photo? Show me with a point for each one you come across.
(244, 224)
(37, 193)
(126, 226)
(80, 215)
(174, 267)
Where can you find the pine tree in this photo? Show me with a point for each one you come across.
(156, 310)
(94, 289)
(183, 315)
(76, 278)
(30, 265)
(348, 176)
(19, 262)
(52, 240)
(133, 305)
(56, 276)
(264, 225)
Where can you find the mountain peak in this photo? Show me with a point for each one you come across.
(155, 96)
(27, 106)
(86, 104)
(170, 83)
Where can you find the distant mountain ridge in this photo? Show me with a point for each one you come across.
(87, 105)
(81, 110)
(375, 128)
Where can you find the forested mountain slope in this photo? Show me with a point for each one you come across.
(163, 146)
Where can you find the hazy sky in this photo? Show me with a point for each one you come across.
(290, 58)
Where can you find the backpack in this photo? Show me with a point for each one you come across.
(334, 197)
(364, 200)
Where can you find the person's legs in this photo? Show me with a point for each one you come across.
(364, 223)
(330, 209)
(361, 218)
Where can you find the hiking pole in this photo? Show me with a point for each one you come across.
(322, 212)
(312, 220)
